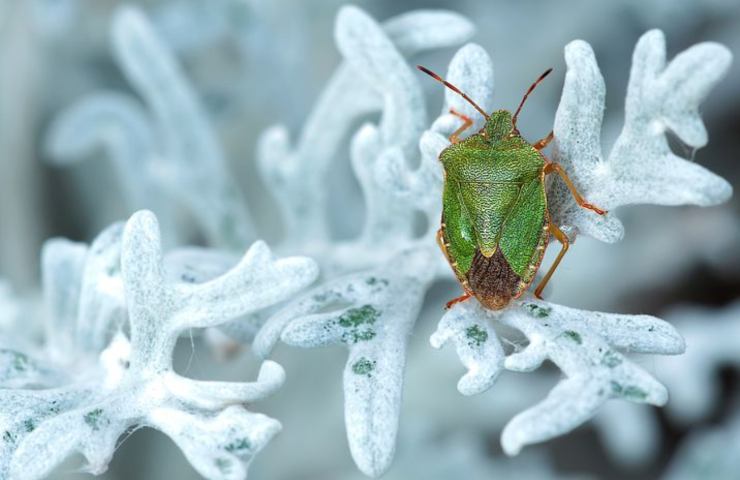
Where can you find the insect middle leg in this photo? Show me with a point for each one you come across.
(563, 239)
(555, 167)
(467, 123)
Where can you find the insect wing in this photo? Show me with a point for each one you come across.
(488, 204)
(523, 230)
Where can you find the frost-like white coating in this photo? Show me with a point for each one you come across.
(373, 310)
(595, 369)
(133, 303)
(640, 167)
(588, 346)
(62, 265)
(296, 175)
(476, 344)
(101, 302)
(372, 313)
(134, 383)
(183, 164)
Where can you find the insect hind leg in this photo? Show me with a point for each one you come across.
(563, 239)
(459, 299)
(555, 167)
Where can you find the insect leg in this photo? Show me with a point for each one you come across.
(467, 294)
(544, 142)
(467, 122)
(554, 167)
(441, 241)
(459, 299)
(563, 239)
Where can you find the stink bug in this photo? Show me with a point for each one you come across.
(495, 222)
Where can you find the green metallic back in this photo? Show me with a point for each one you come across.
(494, 197)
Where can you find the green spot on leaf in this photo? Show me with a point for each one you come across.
(611, 359)
(358, 324)
(18, 361)
(634, 393)
(538, 311)
(8, 437)
(364, 366)
(375, 281)
(238, 445)
(94, 419)
(223, 465)
(629, 392)
(363, 336)
(575, 336)
(29, 425)
(476, 336)
(354, 317)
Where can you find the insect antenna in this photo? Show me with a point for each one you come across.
(531, 87)
(453, 88)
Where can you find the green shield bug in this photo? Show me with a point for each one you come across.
(495, 222)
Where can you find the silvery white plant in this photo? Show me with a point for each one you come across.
(711, 344)
(589, 347)
(114, 311)
(165, 156)
(374, 285)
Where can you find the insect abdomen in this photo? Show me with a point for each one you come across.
(492, 280)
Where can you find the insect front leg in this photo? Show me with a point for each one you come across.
(555, 167)
(467, 123)
(563, 239)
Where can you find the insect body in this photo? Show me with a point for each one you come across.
(495, 222)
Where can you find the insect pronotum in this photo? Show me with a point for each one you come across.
(495, 221)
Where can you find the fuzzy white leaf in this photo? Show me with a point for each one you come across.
(296, 175)
(101, 300)
(594, 369)
(476, 344)
(184, 163)
(62, 266)
(134, 384)
(372, 313)
(640, 167)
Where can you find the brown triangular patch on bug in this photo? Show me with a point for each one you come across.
(492, 280)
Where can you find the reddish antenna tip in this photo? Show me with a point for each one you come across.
(427, 71)
(529, 90)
